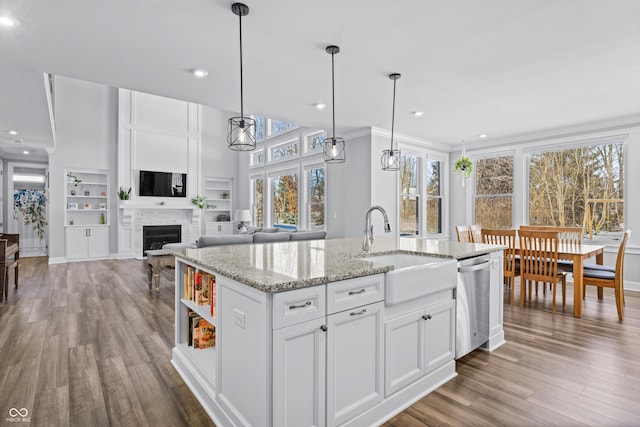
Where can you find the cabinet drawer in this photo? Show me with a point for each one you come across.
(352, 293)
(300, 305)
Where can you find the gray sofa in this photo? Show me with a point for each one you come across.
(256, 235)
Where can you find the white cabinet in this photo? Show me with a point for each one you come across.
(86, 216)
(87, 242)
(219, 211)
(217, 228)
(299, 361)
(354, 361)
(418, 342)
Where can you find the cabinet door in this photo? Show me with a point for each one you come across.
(218, 228)
(354, 362)
(404, 350)
(76, 243)
(299, 363)
(98, 242)
(440, 335)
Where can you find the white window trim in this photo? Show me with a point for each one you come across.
(275, 146)
(306, 217)
(307, 143)
(424, 154)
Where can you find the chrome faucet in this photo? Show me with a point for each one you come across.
(368, 228)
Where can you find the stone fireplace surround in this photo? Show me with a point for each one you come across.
(133, 218)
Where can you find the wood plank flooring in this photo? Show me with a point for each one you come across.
(88, 344)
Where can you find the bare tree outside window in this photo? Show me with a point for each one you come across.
(561, 183)
(434, 196)
(258, 202)
(316, 198)
(494, 192)
(409, 208)
(285, 200)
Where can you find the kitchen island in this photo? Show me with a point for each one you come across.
(304, 335)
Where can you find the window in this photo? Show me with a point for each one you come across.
(409, 200)
(315, 199)
(565, 186)
(283, 151)
(315, 142)
(284, 195)
(257, 190)
(494, 192)
(278, 126)
(257, 158)
(261, 128)
(433, 186)
(266, 128)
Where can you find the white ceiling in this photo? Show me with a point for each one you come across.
(499, 67)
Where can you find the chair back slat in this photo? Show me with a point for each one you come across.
(464, 233)
(476, 233)
(503, 238)
(539, 255)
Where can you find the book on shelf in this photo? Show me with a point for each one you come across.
(192, 319)
(204, 334)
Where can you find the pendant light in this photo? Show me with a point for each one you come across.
(333, 149)
(241, 130)
(391, 158)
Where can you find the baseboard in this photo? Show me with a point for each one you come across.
(57, 260)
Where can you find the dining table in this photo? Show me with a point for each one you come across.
(577, 253)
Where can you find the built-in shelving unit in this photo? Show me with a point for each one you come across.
(218, 214)
(86, 217)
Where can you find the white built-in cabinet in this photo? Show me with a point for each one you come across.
(418, 342)
(87, 198)
(218, 213)
(87, 242)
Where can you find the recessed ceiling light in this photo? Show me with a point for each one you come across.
(200, 73)
(320, 106)
(7, 21)
(13, 132)
(482, 135)
(25, 152)
(418, 113)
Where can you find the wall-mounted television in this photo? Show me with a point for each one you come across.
(163, 184)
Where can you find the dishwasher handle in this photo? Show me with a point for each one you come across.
(476, 267)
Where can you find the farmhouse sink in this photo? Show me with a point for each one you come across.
(414, 276)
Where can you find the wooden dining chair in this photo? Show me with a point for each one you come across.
(464, 233)
(604, 278)
(511, 264)
(476, 233)
(539, 262)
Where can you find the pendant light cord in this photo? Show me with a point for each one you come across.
(333, 96)
(241, 88)
(393, 112)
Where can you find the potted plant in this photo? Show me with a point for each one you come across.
(463, 166)
(225, 194)
(74, 179)
(200, 201)
(124, 194)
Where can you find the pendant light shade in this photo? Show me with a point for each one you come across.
(334, 147)
(241, 131)
(390, 160)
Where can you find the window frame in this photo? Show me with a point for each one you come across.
(307, 168)
(426, 153)
(474, 190)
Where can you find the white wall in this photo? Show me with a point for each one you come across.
(461, 202)
(86, 138)
(217, 160)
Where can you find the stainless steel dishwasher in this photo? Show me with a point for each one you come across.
(472, 304)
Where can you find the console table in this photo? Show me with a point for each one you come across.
(156, 259)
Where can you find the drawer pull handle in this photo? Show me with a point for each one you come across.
(356, 292)
(323, 328)
(306, 304)
(354, 313)
(426, 317)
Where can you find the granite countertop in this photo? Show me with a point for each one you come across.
(276, 267)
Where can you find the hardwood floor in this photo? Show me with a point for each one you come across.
(88, 344)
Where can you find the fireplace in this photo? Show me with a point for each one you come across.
(154, 236)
